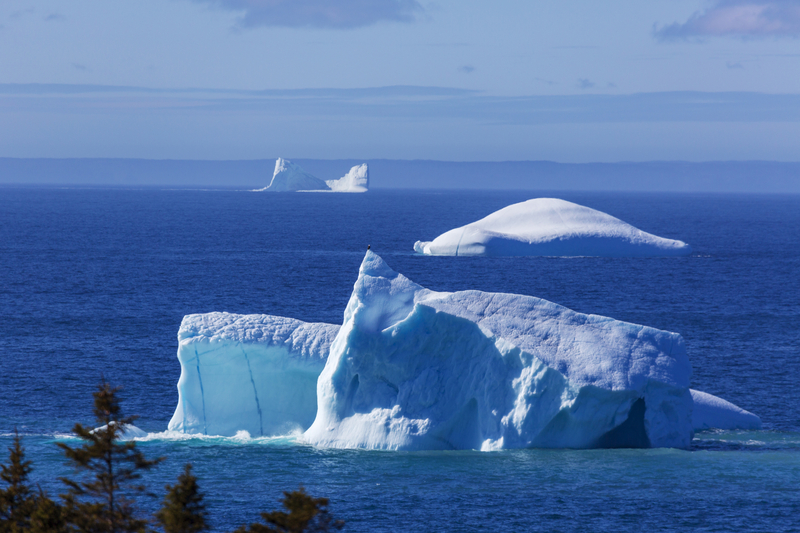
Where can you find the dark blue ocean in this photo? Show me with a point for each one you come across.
(95, 283)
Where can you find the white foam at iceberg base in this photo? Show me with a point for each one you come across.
(551, 227)
(711, 412)
(415, 369)
(254, 373)
(240, 437)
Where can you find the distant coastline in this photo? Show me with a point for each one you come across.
(770, 177)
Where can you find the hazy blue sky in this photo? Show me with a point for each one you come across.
(567, 80)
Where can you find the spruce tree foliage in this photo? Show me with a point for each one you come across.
(183, 510)
(48, 516)
(101, 503)
(17, 501)
(306, 515)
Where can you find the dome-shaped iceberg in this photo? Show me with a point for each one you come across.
(551, 227)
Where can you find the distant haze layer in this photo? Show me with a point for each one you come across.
(397, 122)
(668, 176)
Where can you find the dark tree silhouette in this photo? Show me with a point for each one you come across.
(102, 502)
(48, 516)
(306, 515)
(183, 510)
(17, 500)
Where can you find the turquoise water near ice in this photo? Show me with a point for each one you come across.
(96, 281)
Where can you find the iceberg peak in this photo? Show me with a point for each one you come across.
(380, 296)
(291, 177)
(374, 265)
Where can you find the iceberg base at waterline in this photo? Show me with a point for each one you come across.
(415, 369)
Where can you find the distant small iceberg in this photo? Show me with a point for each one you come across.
(126, 432)
(551, 227)
(289, 177)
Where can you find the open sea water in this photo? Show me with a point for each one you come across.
(95, 283)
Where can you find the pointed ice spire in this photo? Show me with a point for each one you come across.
(291, 177)
(373, 265)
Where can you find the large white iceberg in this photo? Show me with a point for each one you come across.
(290, 177)
(256, 373)
(551, 227)
(411, 368)
(416, 369)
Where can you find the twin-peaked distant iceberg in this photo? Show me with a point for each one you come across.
(415, 369)
(551, 227)
(289, 177)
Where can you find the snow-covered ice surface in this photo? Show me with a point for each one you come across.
(551, 227)
(254, 373)
(712, 412)
(416, 369)
(290, 177)
(356, 180)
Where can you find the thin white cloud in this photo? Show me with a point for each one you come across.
(739, 18)
(20, 14)
(341, 14)
(546, 82)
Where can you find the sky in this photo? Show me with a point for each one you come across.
(461, 80)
